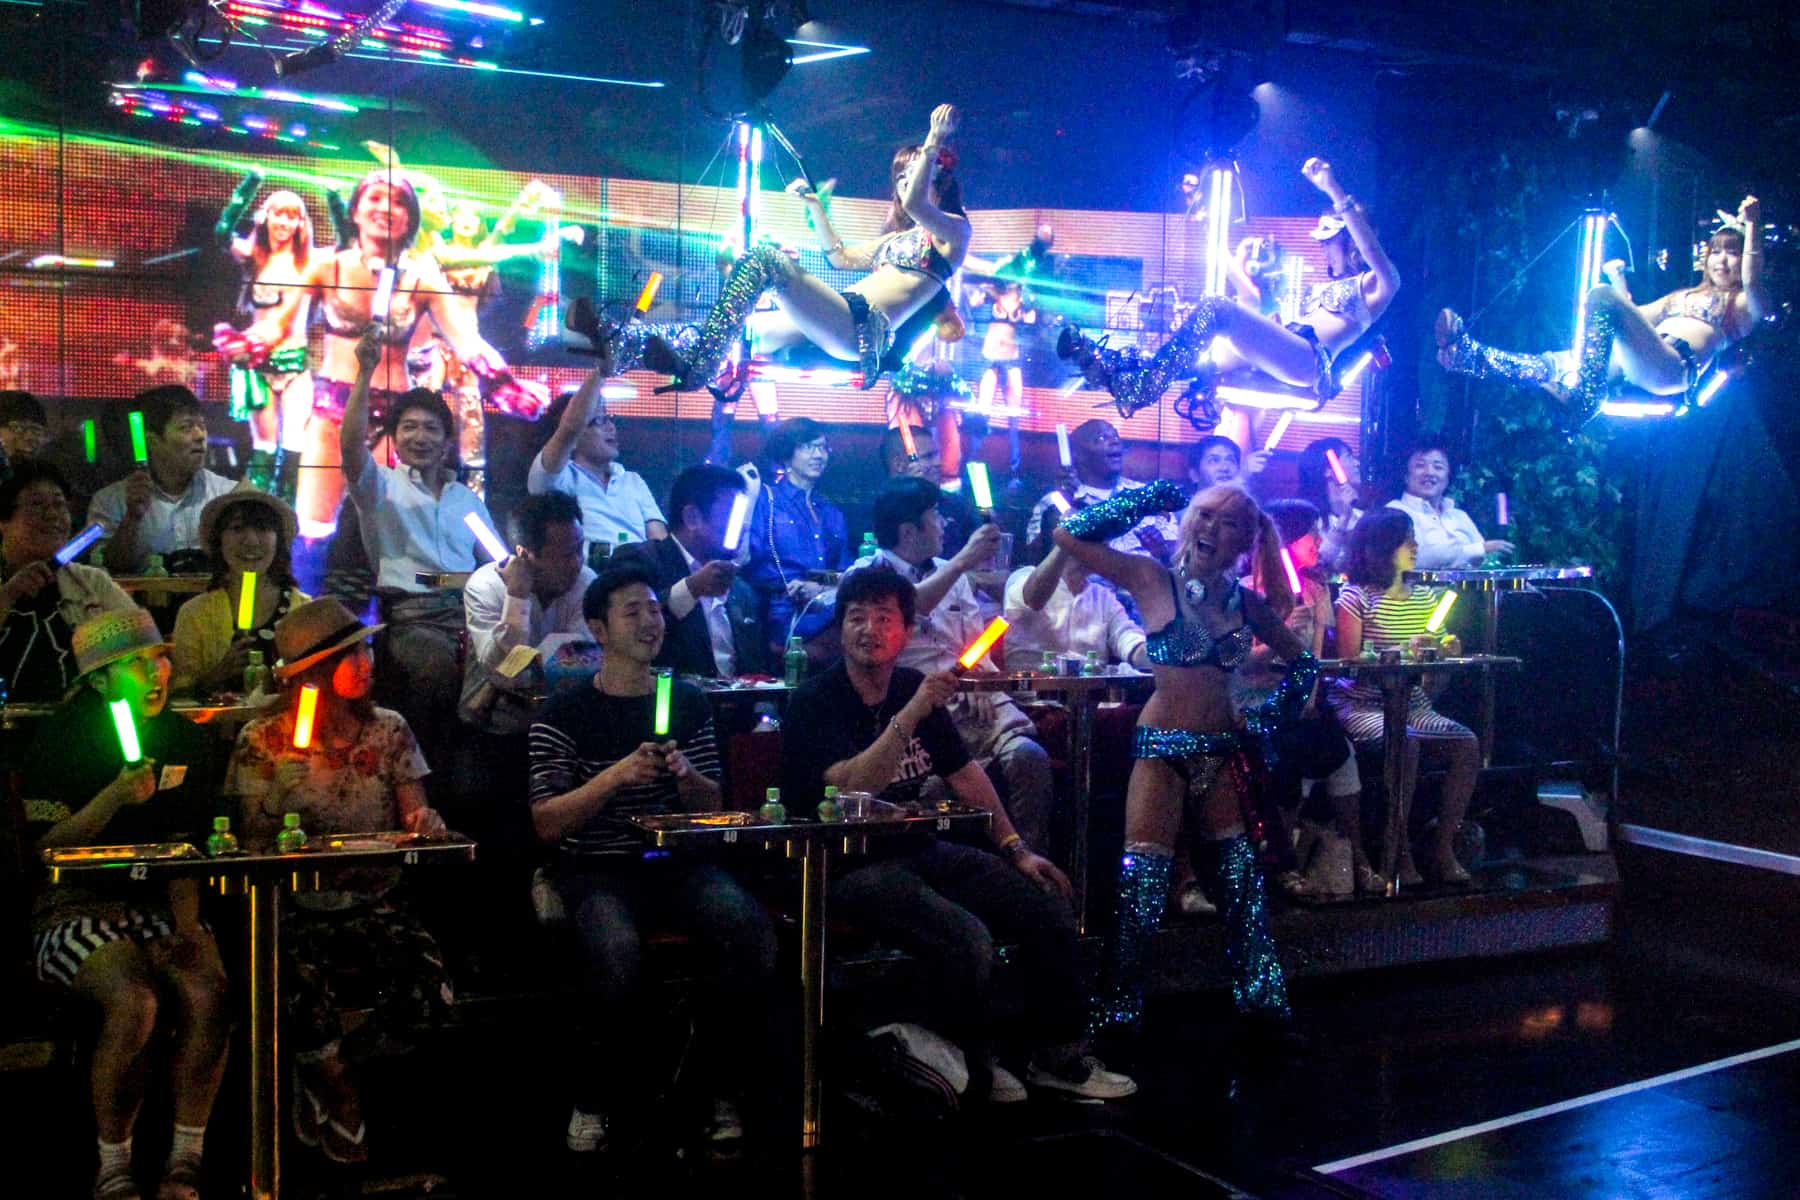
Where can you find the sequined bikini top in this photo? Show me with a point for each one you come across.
(911, 250)
(1341, 297)
(1186, 642)
(1701, 304)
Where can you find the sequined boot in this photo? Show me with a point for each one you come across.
(695, 361)
(630, 343)
(1592, 383)
(1463, 355)
(1258, 983)
(1137, 382)
(1143, 894)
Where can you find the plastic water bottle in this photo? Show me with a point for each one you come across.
(222, 841)
(773, 811)
(292, 838)
(868, 549)
(154, 566)
(793, 663)
(828, 807)
(1091, 663)
(256, 675)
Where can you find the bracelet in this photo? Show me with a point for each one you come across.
(1010, 843)
(1345, 205)
(903, 731)
(834, 248)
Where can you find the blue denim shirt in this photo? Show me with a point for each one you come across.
(791, 532)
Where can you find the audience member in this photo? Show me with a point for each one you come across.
(1059, 606)
(582, 458)
(714, 624)
(156, 509)
(40, 602)
(793, 531)
(1215, 459)
(959, 516)
(1336, 502)
(876, 726)
(595, 762)
(997, 733)
(24, 428)
(353, 944)
(1447, 536)
(243, 531)
(138, 954)
(1097, 475)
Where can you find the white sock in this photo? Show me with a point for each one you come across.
(188, 1143)
(115, 1161)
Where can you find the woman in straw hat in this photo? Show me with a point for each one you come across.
(245, 532)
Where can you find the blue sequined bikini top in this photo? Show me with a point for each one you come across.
(1702, 304)
(1341, 297)
(911, 250)
(1186, 641)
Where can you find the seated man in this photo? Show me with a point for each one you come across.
(910, 533)
(1098, 471)
(24, 428)
(582, 459)
(156, 508)
(137, 953)
(714, 626)
(1217, 459)
(874, 726)
(595, 761)
(1057, 606)
(959, 516)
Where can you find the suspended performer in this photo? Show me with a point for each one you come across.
(909, 265)
(1662, 347)
(1301, 354)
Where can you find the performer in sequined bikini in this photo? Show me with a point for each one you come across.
(1302, 354)
(1662, 347)
(909, 264)
(1190, 744)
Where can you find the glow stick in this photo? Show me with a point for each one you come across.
(1500, 513)
(763, 392)
(984, 643)
(979, 486)
(1337, 465)
(665, 688)
(247, 602)
(1062, 446)
(128, 738)
(906, 440)
(647, 297)
(80, 542)
(384, 295)
(1293, 572)
(490, 541)
(304, 714)
(1440, 612)
(1061, 503)
(140, 452)
(734, 524)
(1281, 424)
(90, 440)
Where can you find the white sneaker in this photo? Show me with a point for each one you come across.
(587, 1131)
(726, 1125)
(1007, 1088)
(1084, 1078)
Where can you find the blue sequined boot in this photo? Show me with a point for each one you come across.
(1463, 355)
(1258, 983)
(1143, 893)
(1137, 382)
(695, 361)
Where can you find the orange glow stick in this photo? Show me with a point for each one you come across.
(984, 643)
(303, 718)
(906, 440)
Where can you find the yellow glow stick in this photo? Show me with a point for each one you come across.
(247, 603)
(647, 297)
(303, 718)
(1440, 612)
(984, 643)
(906, 440)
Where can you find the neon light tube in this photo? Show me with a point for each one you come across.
(1293, 572)
(490, 541)
(1337, 465)
(1440, 612)
(665, 689)
(304, 715)
(247, 603)
(647, 297)
(734, 524)
(906, 439)
(1281, 426)
(78, 544)
(140, 451)
(1711, 387)
(1356, 369)
(984, 643)
(980, 487)
(1588, 259)
(127, 730)
(1062, 446)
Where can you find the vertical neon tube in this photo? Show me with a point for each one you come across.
(127, 730)
(304, 715)
(247, 603)
(1589, 256)
(1218, 226)
(743, 188)
(665, 691)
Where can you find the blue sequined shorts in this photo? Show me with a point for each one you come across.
(1325, 385)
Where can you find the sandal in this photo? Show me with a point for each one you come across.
(308, 1113)
(341, 1145)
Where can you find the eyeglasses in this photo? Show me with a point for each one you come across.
(820, 444)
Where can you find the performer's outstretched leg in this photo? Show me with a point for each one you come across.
(1463, 355)
(1135, 382)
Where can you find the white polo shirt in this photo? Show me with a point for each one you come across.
(1447, 539)
(406, 529)
(621, 503)
(172, 522)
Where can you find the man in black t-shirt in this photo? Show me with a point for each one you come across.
(872, 726)
(595, 760)
(136, 951)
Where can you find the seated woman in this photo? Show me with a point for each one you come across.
(1446, 536)
(1189, 739)
(791, 531)
(909, 265)
(1662, 347)
(355, 943)
(243, 531)
(1362, 285)
(1378, 610)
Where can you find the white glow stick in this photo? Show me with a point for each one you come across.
(1061, 503)
(1500, 512)
(384, 295)
(1062, 446)
(490, 541)
(1281, 424)
(734, 524)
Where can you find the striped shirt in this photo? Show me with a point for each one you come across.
(584, 731)
(1388, 623)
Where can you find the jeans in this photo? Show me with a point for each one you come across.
(608, 906)
(947, 905)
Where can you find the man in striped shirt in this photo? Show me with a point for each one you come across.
(595, 761)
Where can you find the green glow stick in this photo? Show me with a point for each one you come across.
(247, 603)
(665, 687)
(140, 451)
(90, 440)
(979, 485)
(1440, 612)
(128, 738)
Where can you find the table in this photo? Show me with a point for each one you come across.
(1080, 693)
(259, 877)
(1395, 674)
(811, 841)
(1490, 582)
(201, 712)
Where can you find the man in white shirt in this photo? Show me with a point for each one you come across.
(1447, 536)
(948, 617)
(156, 508)
(1056, 606)
(1098, 464)
(582, 458)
